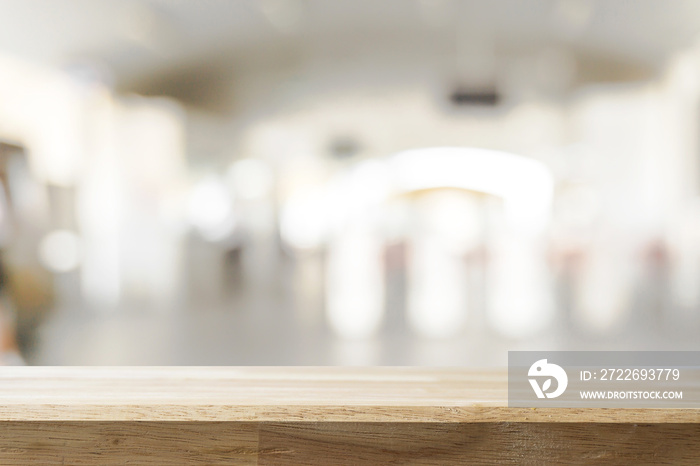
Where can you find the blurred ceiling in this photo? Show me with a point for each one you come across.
(196, 43)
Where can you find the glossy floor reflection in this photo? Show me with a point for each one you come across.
(269, 334)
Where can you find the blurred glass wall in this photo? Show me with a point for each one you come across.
(312, 182)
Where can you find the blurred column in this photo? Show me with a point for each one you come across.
(253, 182)
(129, 202)
(355, 282)
(519, 285)
(603, 287)
(152, 147)
(684, 270)
(99, 208)
(438, 289)
(438, 278)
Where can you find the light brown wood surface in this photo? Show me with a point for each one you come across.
(217, 415)
(283, 394)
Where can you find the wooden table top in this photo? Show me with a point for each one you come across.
(285, 394)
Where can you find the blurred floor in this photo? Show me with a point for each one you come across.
(268, 334)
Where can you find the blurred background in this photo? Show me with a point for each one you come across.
(310, 182)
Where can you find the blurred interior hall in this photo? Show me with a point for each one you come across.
(347, 182)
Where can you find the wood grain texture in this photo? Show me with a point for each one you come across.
(479, 443)
(315, 416)
(147, 443)
(215, 443)
(284, 394)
